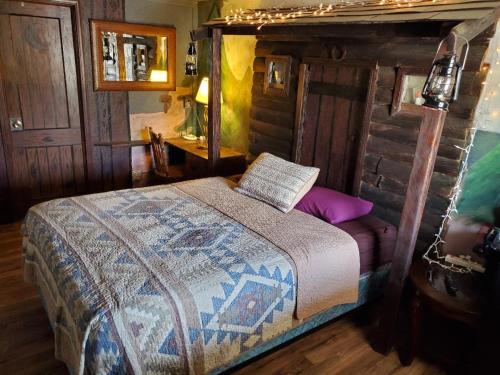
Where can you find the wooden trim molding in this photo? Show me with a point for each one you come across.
(302, 90)
(214, 102)
(365, 130)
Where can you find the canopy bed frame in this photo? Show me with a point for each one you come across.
(468, 19)
(198, 275)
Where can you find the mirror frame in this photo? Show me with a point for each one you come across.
(270, 90)
(397, 99)
(97, 27)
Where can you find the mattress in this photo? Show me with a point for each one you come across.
(376, 240)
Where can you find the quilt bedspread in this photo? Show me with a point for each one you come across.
(152, 281)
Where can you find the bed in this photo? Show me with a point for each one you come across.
(192, 277)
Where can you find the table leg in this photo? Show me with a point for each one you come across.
(415, 331)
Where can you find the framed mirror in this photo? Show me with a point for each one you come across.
(132, 57)
(277, 77)
(407, 96)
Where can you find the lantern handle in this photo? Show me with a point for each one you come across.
(460, 68)
(464, 55)
(438, 51)
(466, 51)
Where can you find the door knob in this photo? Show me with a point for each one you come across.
(16, 124)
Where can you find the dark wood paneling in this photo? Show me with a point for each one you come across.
(40, 87)
(390, 138)
(106, 112)
(333, 123)
(214, 102)
(45, 105)
(415, 199)
(329, 110)
(5, 207)
(311, 116)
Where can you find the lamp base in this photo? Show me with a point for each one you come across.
(437, 104)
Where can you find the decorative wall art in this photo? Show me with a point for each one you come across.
(277, 77)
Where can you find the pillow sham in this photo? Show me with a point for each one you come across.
(333, 206)
(277, 182)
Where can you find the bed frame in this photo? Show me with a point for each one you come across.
(431, 126)
(371, 286)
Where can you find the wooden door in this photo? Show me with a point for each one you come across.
(39, 103)
(331, 122)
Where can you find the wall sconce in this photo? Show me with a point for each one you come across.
(191, 60)
(443, 82)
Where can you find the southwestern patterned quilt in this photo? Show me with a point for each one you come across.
(154, 280)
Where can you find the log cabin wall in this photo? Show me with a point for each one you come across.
(392, 136)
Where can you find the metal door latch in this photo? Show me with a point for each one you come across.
(16, 124)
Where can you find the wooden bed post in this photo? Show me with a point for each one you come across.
(214, 102)
(416, 195)
(418, 187)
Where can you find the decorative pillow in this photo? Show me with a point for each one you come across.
(277, 182)
(333, 206)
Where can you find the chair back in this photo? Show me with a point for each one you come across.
(160, 156)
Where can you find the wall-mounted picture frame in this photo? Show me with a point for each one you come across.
(407, 97)
(133, 57)
(277, 75)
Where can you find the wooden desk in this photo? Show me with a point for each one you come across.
(196, 165)
(193, 147)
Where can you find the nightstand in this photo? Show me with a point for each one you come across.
(431, 303)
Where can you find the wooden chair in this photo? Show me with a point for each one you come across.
(162, 170)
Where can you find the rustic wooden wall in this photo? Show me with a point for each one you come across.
(106, 117)
(392, 137)
(4, 188)
(104, 114)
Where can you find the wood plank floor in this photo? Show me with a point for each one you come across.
(27, 343)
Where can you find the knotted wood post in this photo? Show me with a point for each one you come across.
(429, 136)
(214, 101)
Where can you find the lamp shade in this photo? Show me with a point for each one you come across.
(202, 95)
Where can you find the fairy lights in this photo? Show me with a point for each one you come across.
(263, 17)
(433, 254)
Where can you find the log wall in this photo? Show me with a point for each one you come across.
(392, 137)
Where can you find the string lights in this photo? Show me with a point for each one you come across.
(433, 254)
(274, 15)
(263, 17)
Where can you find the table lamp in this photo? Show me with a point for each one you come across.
(202, 97)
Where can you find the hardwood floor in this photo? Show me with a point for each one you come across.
(27, 343)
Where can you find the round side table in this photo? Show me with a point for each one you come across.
(430, 296)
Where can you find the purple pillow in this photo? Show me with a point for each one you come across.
(333, 206)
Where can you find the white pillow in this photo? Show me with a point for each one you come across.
(278, 182)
